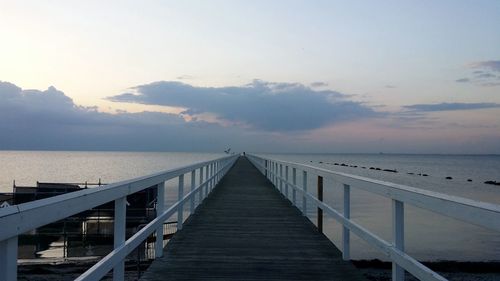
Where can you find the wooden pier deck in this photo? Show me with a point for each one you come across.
(246, 230)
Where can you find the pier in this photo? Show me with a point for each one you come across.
(244, 218)
(246, 230)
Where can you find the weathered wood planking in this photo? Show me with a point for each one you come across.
(246, 230)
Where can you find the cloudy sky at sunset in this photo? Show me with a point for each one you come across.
(276, 76)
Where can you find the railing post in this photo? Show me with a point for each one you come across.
(119, 235)
(276, 175)
(211, 177)
(304, 195)
(193, 185)
(320, 198)
(294, 182)
(280, 182)
(205, 188)
(398, 273)
(160, 207)
(265, 168)
(346, 248)
(180, 209)
(201, 187)
(8, 259)
(286, 182)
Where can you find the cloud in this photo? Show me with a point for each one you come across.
(318, 84)
(263, 105)
(484, 73)
(50, 120)
(449, 106)
(492, 65)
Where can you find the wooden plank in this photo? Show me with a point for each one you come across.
(246, 231)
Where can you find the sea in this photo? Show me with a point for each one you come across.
(428, 236)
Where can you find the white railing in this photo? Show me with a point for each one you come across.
(18, 219)
(479, 213)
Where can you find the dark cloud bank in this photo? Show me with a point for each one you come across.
(33, 119)
(276, 117)
(262, 105)
(450, 106)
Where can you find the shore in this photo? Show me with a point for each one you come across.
(374, 270)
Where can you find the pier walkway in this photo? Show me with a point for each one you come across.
(246, 230)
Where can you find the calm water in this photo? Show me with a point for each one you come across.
(428, 236)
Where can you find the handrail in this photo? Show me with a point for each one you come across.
(18, 219)
(479, 213)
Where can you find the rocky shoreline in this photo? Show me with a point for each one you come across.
(374, 270)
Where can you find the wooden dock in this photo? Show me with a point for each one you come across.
(246, 230)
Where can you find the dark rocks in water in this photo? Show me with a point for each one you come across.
(336, 164)
(410, 173)
(425, 175)
(363, 167)
(371, 168)
(344, 165)
(390, 170)
(492, 182)
(449, 178)
(321, 162)
(378, 169)
(469, 180)
(311, 161)
(354, 166)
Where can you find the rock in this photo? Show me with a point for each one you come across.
(492, 182)
(469, 180)
(449, 178)
(410, 173)
(425, 175)
(390, 170)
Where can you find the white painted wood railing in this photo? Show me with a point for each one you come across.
(18, 219)
(478, 213)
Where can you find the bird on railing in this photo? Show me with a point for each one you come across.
(227, 151)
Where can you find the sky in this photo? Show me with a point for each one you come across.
(262, 76)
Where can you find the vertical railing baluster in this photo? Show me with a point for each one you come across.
(304, 195)
(286, 182)
(280, 181)
(320, 198)
(211, 177)
(160, 207)
(218, 171)
(276, 175)
(180, 209)
(120, 222)
(294, 190)
(398, 273)
(8, 259)
(207, 181)
(193, 186)
(265, 168)
(346, 248)
(201, 186)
